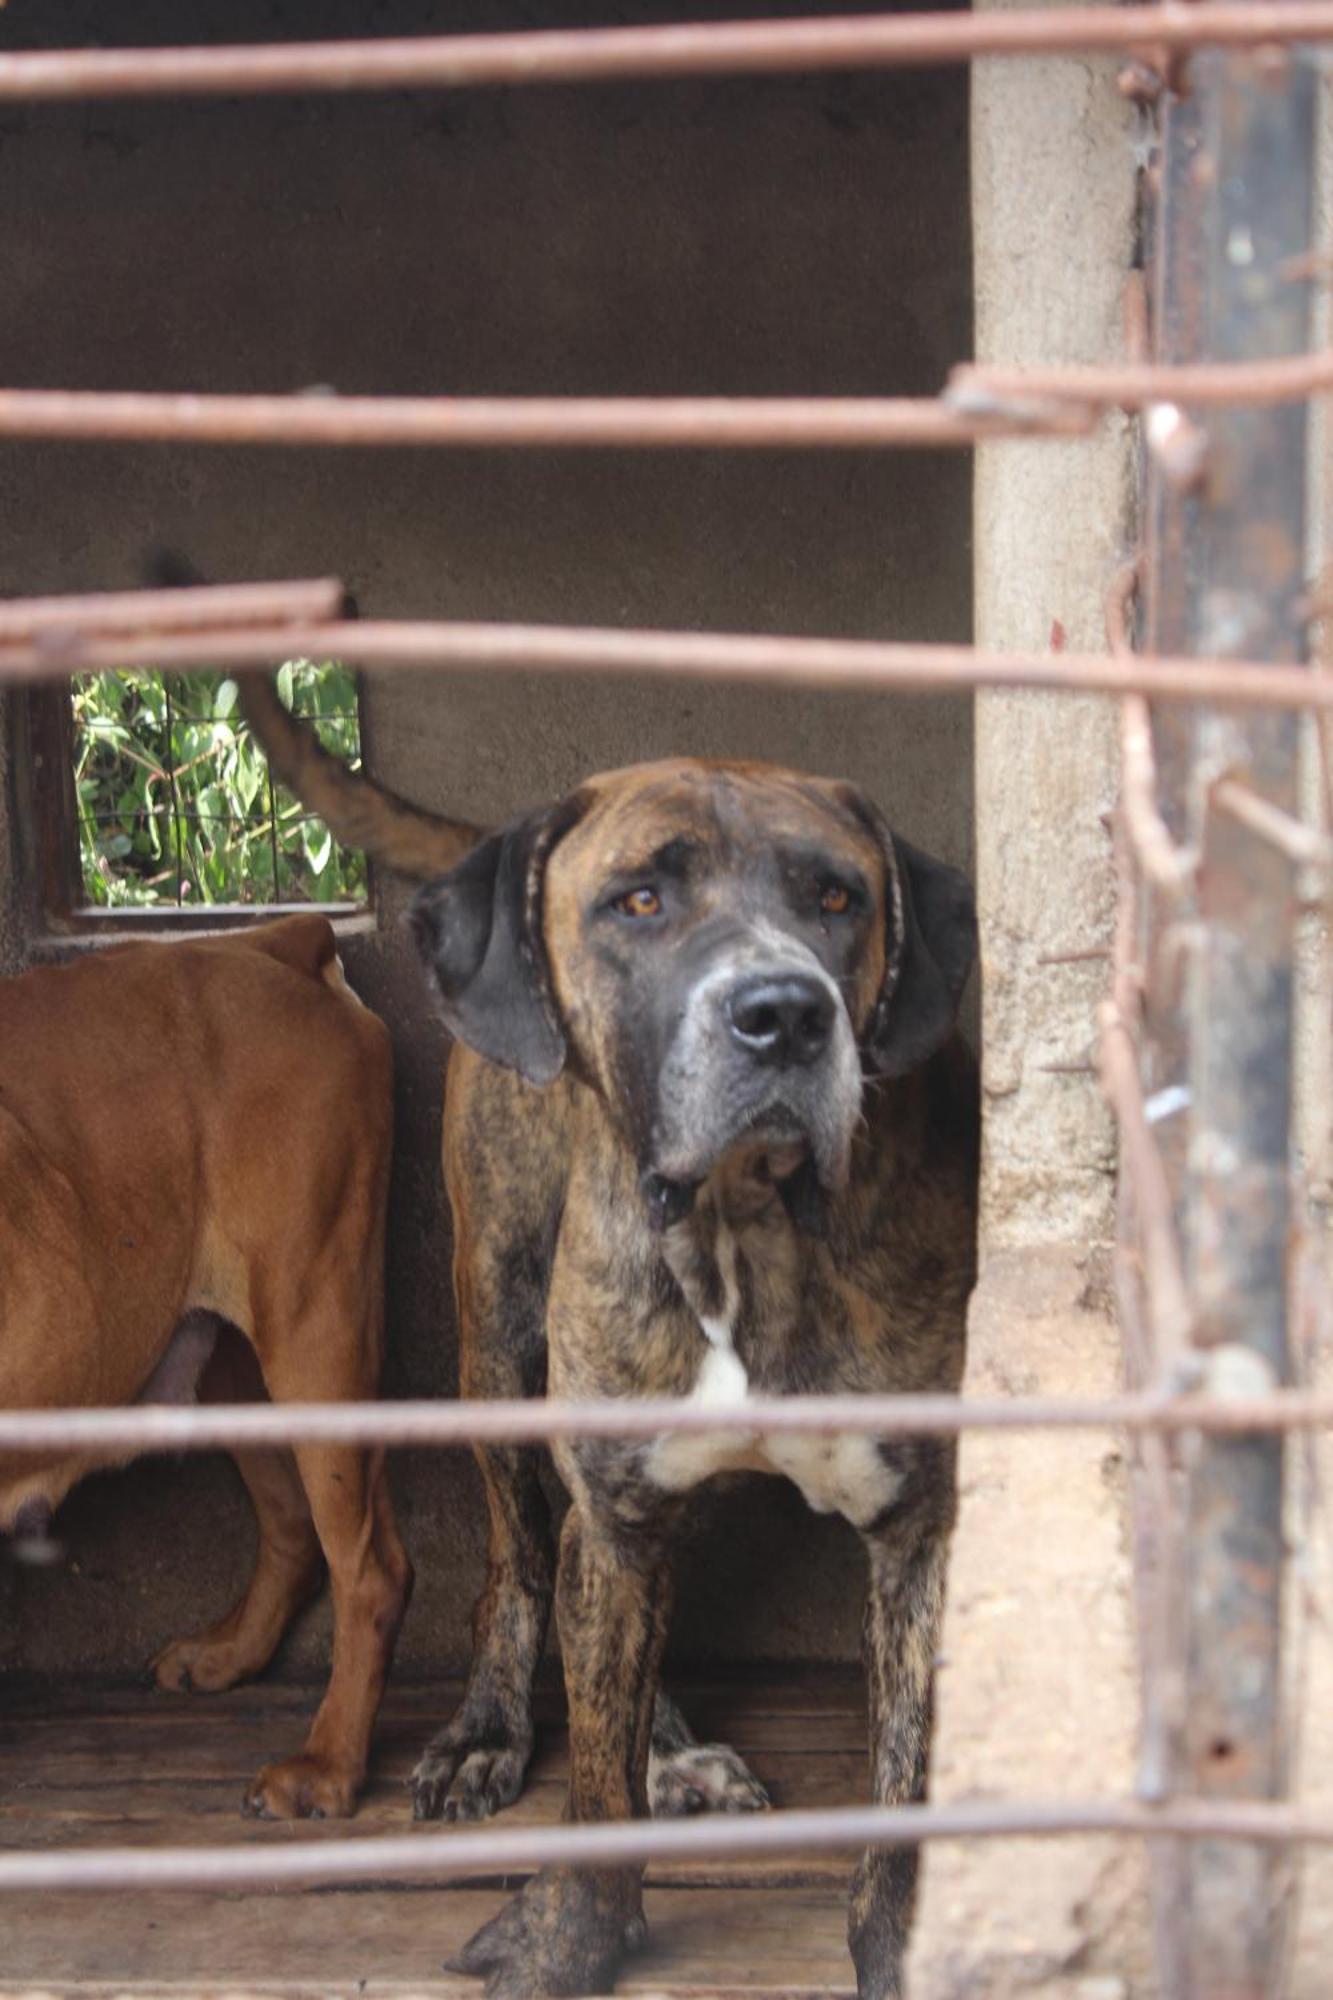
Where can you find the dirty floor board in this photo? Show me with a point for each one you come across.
(84, 1767)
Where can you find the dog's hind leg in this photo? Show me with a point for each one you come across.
(288, 1567)
(686, 1776)
(326, 1356)
(475, 1765)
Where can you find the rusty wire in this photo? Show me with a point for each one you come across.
(1135, 385)
(1302, 844)
(586, 55)
(451, 1855)
(1163, 1267)
(980, 405)
(54, 621)
(94, 1432)
(744, 657)
(322, 417)
(1168, 867)
(1151, 1289)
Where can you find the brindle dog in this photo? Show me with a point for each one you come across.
(709, 1132)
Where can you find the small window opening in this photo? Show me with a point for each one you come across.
(175, 803)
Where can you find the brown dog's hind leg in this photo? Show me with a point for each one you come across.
(686, 1776)
(371, 1580)
(326, 1357)
(288, 1566)
(904, 1610)
(567, 1931)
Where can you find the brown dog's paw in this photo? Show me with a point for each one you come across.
(301, 1788)
(195, 1666)
(702, 1777)
(563, 1934)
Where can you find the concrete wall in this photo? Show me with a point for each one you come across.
(778, 236)
(1053, 215)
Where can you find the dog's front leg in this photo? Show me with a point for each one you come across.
(907, 1554)
(567, 1931)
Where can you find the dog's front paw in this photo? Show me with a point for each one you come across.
(565, 1933)
(302, 1787)
(462, 1777)
(703, 1777)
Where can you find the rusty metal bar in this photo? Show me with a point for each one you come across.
(322, 417)
(1301, 843)
(981, 405)
(588, 55)
(1225, 1410)
(144, 613)
(1173, 228)
(824, 663)
(1168, 867)
(1229, 579)
(1138, 386)
(451, 1854)
(1162, 1268)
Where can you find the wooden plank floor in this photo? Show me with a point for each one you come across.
(89, 1767)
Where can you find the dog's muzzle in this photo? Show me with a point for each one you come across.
(761, 1053)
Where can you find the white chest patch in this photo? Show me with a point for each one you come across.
(835, 1475)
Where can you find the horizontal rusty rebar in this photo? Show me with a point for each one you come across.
(322, 417)
(172, 1429)
(145, 612)
(449, 1854)
(980, 405)
(590, 55)
(1133, 385)
(883, 665)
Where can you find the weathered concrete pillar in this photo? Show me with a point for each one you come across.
(1040, 1537)
(1053, 202)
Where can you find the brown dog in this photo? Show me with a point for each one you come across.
(709, 1131)
(194, 1161)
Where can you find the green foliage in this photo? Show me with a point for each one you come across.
(175, 802)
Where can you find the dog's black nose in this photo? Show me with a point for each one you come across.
(783, 1018)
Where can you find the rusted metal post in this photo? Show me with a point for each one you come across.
(1224, 575)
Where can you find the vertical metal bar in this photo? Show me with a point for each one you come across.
(1174, 247)
(1224, 578)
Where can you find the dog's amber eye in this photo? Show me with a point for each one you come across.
(835, 901)
(643, 902)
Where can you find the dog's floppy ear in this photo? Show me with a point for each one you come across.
(930, 946)
(479, 931)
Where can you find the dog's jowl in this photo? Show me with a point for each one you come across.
(194, 1163)
(709, 1133)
